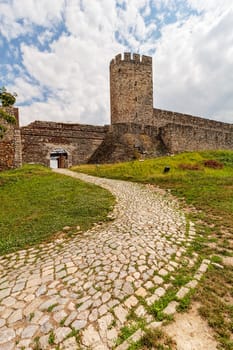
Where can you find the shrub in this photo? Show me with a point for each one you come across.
(2, 131)
(7, 98)
(7, 117)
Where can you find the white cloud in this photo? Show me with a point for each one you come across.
(40, 12)
(211, 5)
(76, 75)
(26, 90)
(10, 28)
(131, 23)
(197, 59)
(18, 17)
(192, 64)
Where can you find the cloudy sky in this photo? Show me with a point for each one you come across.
(55, 54)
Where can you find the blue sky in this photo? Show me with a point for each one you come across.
(55, 55)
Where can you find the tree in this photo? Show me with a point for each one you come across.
(7, 100)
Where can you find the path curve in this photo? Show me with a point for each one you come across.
(89, 283)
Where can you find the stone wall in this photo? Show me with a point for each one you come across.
(39, 139)
(180, 138)
(10, 144)
(131, 88)
(132, 112)
(162, 117)
(137, 130)
(127, 141)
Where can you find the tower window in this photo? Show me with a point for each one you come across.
(135, 84)
(136, 99)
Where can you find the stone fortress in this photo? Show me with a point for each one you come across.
(137, 130)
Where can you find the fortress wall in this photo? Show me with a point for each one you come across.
(162, 117)
(134, 128)
(10, 144)
(128, 141)
(180, 138)
(39, 139)
(132, 111)
(131, 88)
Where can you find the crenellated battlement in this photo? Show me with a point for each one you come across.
(132, 58)
(131, 88)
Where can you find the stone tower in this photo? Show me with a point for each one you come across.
(131, 89)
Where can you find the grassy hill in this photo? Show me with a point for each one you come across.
(203, 179)
(36, 204)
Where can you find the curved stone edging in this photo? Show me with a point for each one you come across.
(170, 308)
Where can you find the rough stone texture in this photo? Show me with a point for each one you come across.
(179, 138)
(132, 339)
(171, 308)
(6, 335)
(40, 139)
(131, 88)
(120, 313)
(163, 117)
(90, 336)
(10, 144)
(136, 126)
(69, 344)
(127, 141)
(182, 292)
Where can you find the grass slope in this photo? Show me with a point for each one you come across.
(35, 203)
(208, 189)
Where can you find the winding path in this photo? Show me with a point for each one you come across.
(90, 282)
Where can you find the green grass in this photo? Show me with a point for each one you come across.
(51, 307)
(37, 203)
(133, 324)
(51, 339)
(210, 190)
(154, 339)
(216, 296)
(156, 309)
(126, 332)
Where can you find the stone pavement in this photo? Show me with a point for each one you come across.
(86, 285)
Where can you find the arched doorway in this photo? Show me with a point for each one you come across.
(58, 158)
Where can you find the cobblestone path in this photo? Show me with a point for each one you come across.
(90, 282)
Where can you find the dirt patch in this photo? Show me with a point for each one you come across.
(191, 332)
(228, 260)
